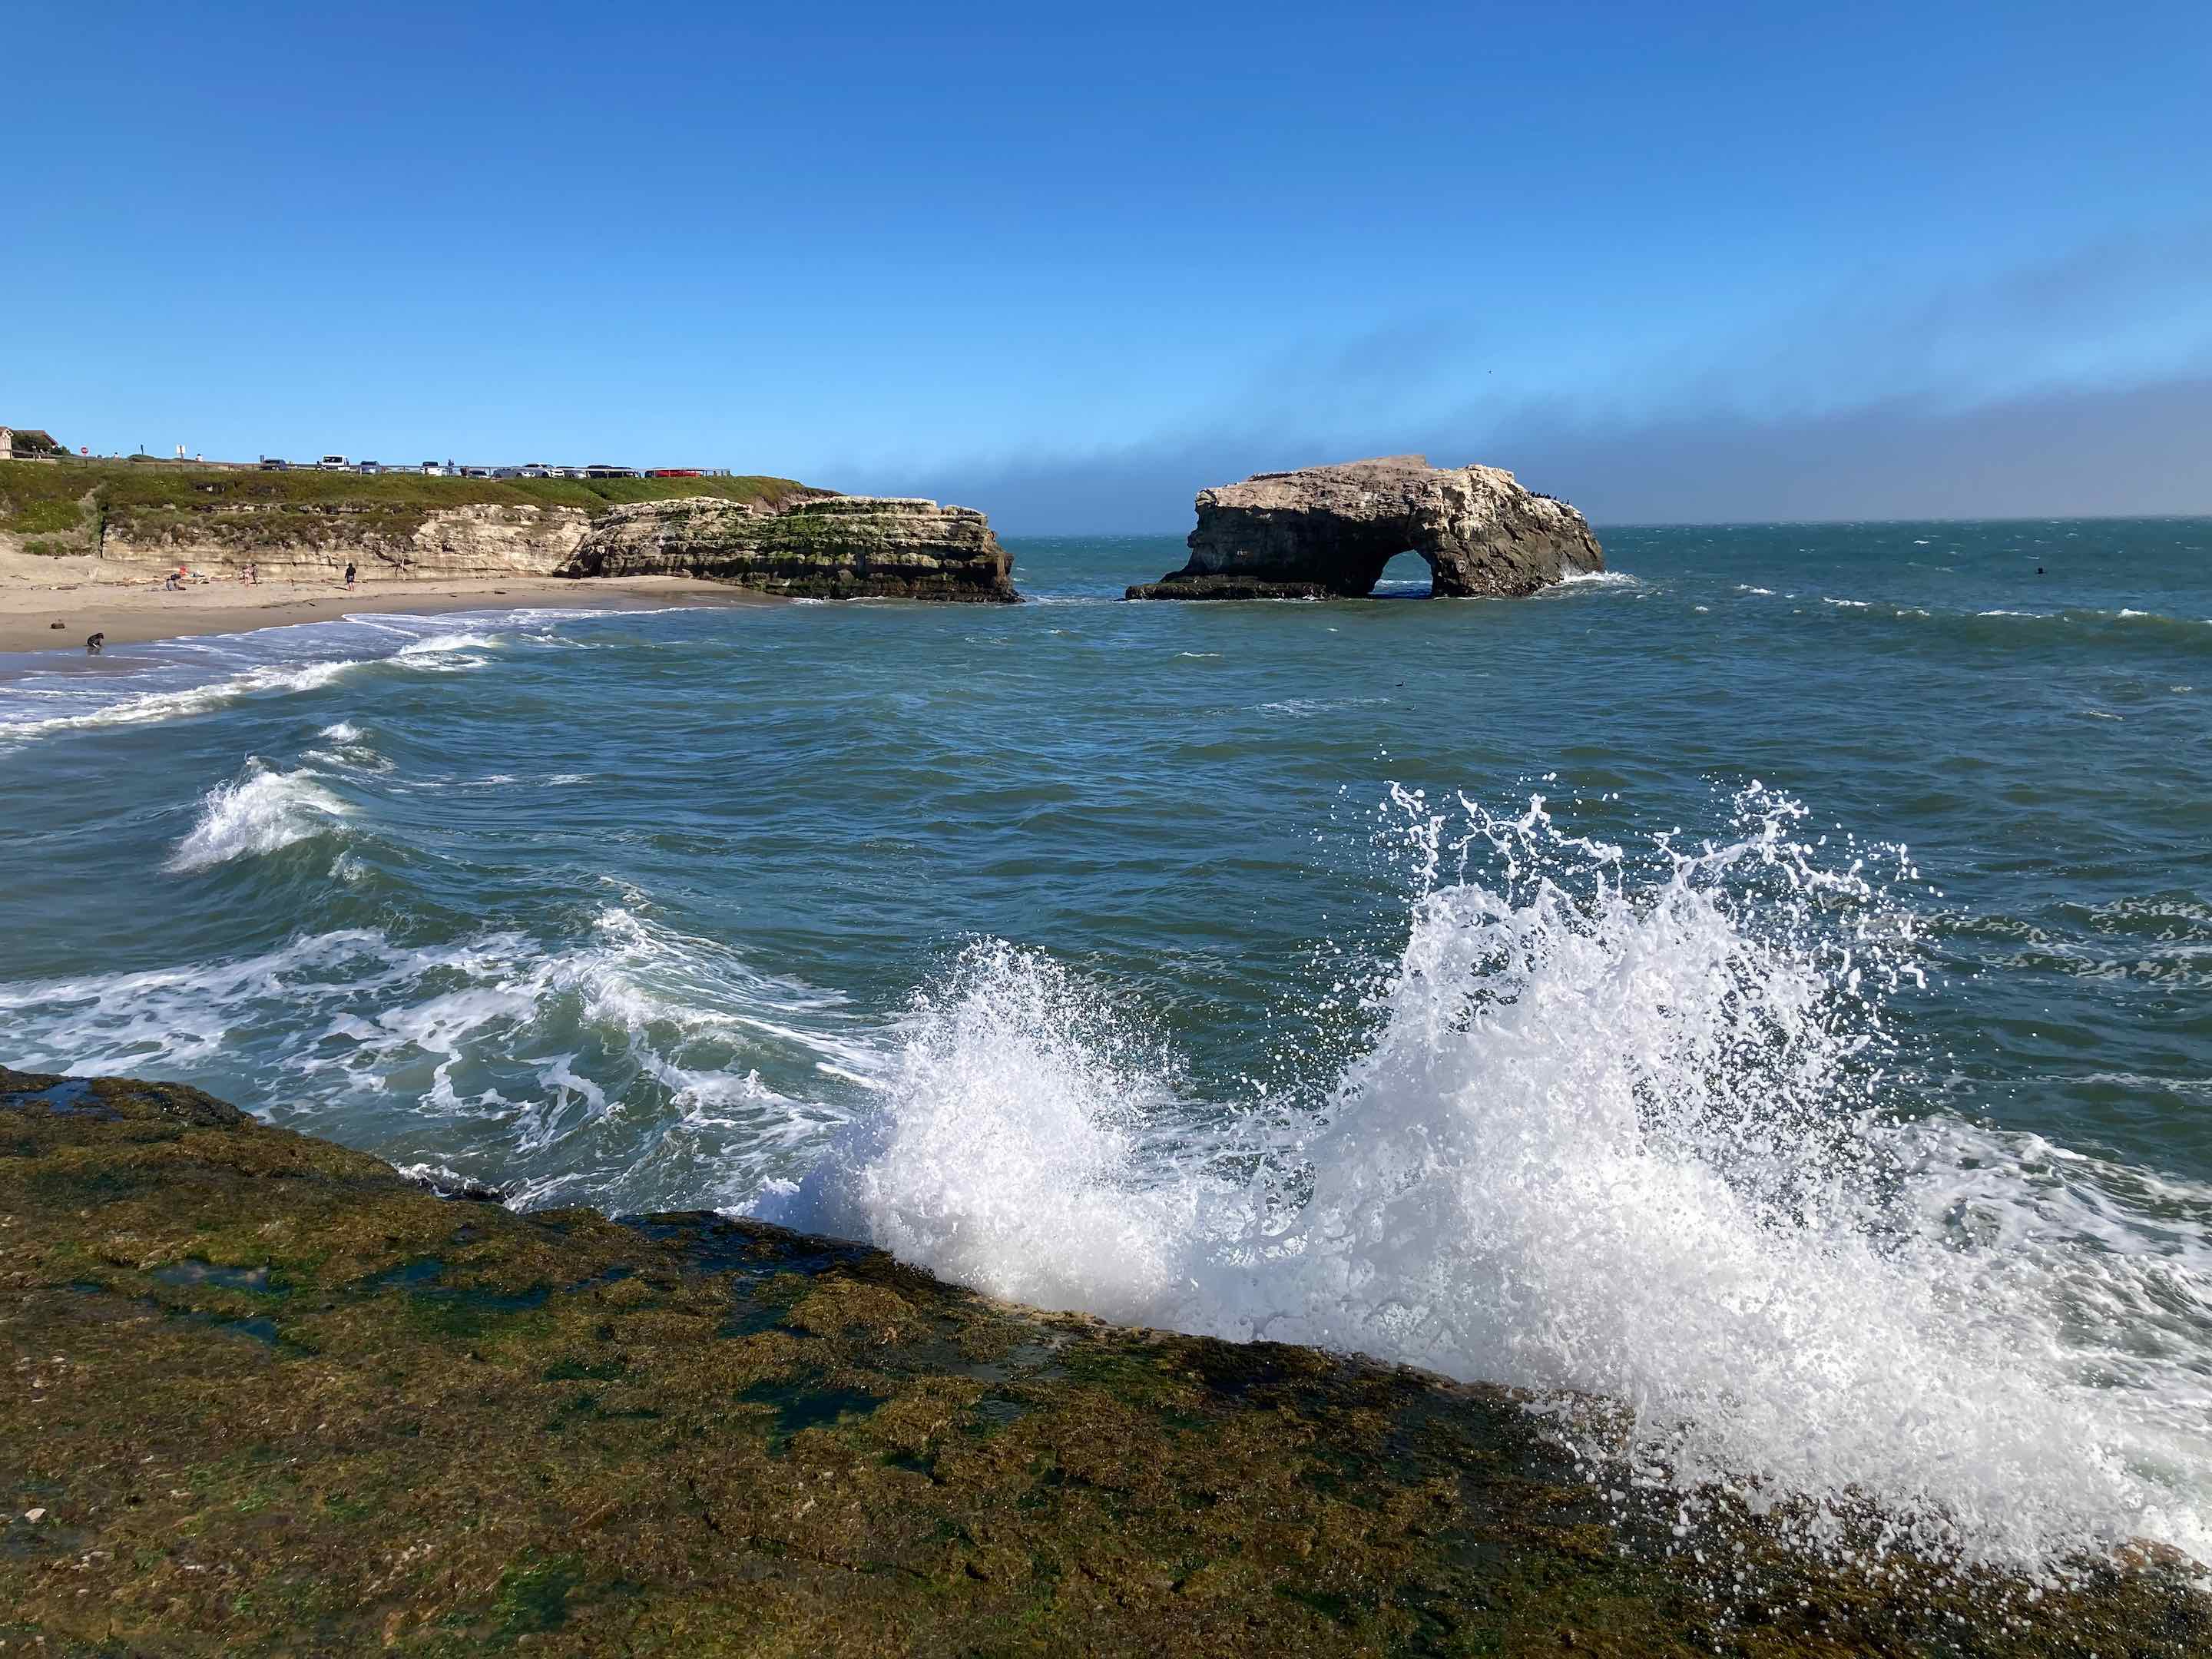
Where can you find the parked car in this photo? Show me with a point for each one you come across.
(268, 466)
(368, 466)
(433, 470)
(673, 473)
(332, 464)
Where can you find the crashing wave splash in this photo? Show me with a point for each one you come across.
(262, 812)
(1627, 1128)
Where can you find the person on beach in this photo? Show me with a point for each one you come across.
(349, 576)
(95, 644)
(252, 577)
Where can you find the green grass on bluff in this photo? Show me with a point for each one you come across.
(70, 505)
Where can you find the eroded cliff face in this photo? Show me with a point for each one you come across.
(1327, 532)
(835, 548)
(772, 535)
(317, 543)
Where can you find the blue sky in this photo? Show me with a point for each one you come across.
(1071, 265)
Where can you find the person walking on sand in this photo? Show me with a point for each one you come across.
(349, 575)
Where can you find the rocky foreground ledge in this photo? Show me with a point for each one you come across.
(1326, 532)
(264, 1395)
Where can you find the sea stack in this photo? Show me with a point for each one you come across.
(1325, 533)
(829, 547)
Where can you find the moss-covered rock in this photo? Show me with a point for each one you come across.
(264, 1395)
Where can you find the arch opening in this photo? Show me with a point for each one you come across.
(1411, 575)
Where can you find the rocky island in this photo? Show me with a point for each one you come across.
(1327, 531)
(266, 1396)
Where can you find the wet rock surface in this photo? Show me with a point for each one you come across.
(1327, 531)
(835, 547)
(265, 1395)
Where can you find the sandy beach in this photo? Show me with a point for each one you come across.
(59, 615)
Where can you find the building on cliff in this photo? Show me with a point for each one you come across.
(25, 443)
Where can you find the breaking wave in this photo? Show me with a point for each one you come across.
(260, 812)
(1598, 578)
(612, 1069)
(151, 706)
(1631, 1124)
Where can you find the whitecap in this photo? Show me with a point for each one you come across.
(194, 700)
(262, 812)
(1598, 578)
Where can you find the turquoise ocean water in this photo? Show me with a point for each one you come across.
(1771, 985)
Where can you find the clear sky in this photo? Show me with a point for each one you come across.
(1069, 264)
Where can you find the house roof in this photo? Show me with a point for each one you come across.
(29, 437)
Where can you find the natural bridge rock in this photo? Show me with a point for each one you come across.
(1327, 531)
(829, 547)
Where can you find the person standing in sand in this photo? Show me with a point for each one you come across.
(349, 575)
(252, 577)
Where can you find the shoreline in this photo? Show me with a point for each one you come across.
(143, 613)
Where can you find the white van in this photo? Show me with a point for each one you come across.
(332, 464)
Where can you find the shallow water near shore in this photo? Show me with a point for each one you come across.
(1823, 1068)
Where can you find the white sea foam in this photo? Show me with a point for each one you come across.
(1622, 1130)
(151, 706)
(95, 701)
(1300, 708)
(1745, 587)
(1851, 604)
(635, 1066)
(1598, 578)
(260, 812)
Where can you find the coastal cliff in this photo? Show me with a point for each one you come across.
(1327, 531)
(828, 547)
(270, 1396)
(121, 523)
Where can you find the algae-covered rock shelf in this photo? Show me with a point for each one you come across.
(266, 1396)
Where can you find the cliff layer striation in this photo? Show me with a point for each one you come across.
(828, 548)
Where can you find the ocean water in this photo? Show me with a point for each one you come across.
(1769, 987)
